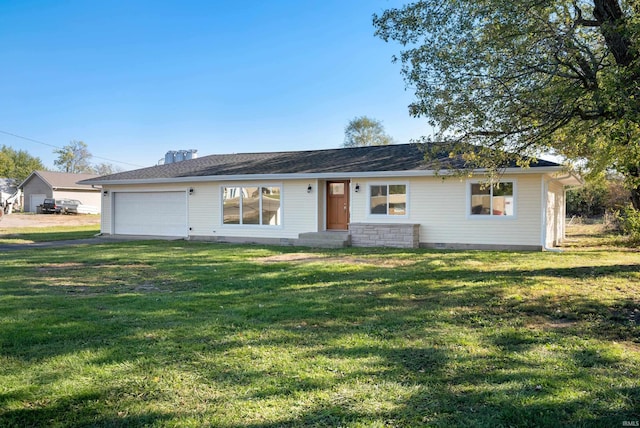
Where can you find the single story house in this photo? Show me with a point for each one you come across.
(364, 196)
(59, 185)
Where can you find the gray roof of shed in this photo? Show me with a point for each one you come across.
(62, 180)
(395, 157)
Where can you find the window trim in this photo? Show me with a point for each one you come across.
(491, 216)
(252, 226)
(388, 183)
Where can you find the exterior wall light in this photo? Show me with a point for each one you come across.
(105, 193)
(357, 189)
(191, 190)
(309, 188)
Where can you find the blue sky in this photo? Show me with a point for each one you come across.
(134, 79)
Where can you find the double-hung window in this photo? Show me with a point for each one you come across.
(252, 205)
(388, 199)
(492, 200)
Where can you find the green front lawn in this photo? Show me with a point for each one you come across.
(197, 334)
(29, 235)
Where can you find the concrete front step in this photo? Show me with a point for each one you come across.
(339, 239)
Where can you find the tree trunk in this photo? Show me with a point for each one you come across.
(635, 197)
(612, 24)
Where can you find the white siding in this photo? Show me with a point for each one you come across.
(106, 226)
(555, 213)
(298, 211)
(204, 208)
(440, 207)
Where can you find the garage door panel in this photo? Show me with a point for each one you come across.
(150, 213)
(35, 200)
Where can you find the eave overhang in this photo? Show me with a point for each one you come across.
(555, 170)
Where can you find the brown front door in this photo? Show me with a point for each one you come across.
(338, 205)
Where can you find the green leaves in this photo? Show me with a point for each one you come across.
(17, 164)
(526, 76)
(74, 158)
(365, 131)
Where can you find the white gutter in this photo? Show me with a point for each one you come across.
(318, 176)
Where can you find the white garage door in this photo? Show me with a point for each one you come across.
(150, 213)
(34, 201)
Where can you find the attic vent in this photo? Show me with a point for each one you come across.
(174, 156)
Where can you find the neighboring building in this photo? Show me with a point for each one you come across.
(364, 196)
(8, 188)
(59, 185)
(9, 195)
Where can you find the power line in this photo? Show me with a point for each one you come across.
(61, 148)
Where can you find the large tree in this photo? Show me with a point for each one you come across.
(18, 164)
(365, 131)
(105, 168)
(74, 157)
(524, 77)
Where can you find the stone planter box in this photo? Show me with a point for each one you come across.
(397, 235)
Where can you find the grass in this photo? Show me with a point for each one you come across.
(29, 235)
(197, 334)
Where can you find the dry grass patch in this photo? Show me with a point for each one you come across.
(303, 258)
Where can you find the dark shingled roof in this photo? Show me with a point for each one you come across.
(395, 157)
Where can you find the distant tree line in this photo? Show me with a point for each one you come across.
(74, 158)
(598, 197)
(18, 164)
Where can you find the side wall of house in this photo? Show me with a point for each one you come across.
(35, 186)
(442, 210)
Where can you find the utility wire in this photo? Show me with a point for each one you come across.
(61, 148)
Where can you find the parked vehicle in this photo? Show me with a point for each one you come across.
(74, 206)
(67, 206)
(51, 206)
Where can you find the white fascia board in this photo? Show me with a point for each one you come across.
(569, 179)
(319, 176)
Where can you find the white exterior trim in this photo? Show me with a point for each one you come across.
(330, 176)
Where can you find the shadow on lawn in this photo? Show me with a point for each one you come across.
(79, 410)
(217, 307)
